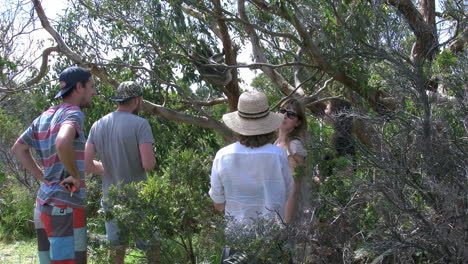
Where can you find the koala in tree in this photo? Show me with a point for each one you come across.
(218, 76)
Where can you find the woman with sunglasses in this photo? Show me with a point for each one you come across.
(292, 138)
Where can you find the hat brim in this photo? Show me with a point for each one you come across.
(116, 98)
(63, 91)
(119, 99)
(252, 127)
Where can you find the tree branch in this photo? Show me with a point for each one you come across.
(260, 65)
(425, 45)
(63, 47)
(194, 13)
(315, 55)
(313, 97)
(200, 121)
(46, 25)
(43, 69)
(206, 103)
(260, 57)
(27, 85)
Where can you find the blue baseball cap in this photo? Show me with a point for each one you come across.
(70, 77)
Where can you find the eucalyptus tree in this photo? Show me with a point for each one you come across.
(309, 49)
(388, 58)
(304, 47)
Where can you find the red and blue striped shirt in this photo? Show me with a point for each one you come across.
(41, 135)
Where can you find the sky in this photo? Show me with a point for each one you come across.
(54, 8)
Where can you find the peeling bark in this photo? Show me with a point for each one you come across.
(230, 53)
(422, 24)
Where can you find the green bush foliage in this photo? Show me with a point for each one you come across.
(174, 205)
(16, 212)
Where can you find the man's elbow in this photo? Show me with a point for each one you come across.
(14, 148)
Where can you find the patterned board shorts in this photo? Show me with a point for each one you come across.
(61, 233)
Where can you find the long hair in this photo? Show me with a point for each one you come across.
(300, 131)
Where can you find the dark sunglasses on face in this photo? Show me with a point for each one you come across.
(289, 114)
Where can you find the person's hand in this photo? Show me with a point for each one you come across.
(70, 184)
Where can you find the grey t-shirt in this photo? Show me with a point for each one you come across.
(116, 138)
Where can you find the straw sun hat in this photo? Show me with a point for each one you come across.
(253, 116)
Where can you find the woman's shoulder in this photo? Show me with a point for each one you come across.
(296, 146)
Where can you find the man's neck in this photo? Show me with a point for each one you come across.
(71, 100)
(124, 109)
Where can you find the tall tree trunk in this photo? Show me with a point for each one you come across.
(422, 23)
(232, 88)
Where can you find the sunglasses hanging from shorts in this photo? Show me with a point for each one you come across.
(289, 114)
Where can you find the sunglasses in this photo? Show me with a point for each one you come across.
(289, 114)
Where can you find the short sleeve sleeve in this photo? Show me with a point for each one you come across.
(91, 139)
(297, 148)
(27, 137)
(217, 189)
(75, 119)
(145, 135)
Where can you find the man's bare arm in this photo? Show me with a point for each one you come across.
(23, 154)
(66, 154)
(147, 156)
(91, 165)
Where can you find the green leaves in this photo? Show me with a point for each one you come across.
(173, 202)
(10, 127)
(330, 17)
(5, 63)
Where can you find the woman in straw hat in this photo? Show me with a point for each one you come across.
(292, 138)
(251, 178)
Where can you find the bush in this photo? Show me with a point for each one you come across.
(16, 212)
(175, 205)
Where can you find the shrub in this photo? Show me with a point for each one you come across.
(175, 205)
(16, 212)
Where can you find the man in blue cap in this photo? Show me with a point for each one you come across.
(57, 136)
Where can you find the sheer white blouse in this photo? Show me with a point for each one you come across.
(254, 182)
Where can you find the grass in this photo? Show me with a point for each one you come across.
(25, 252)
(19, 252)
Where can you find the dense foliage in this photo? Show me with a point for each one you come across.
(398, 197)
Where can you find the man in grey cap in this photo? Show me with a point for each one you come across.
(124, 143)
(57, 136)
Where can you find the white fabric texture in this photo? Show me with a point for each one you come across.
(296, 147)
(254, 182)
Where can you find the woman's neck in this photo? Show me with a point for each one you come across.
(282, 136)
